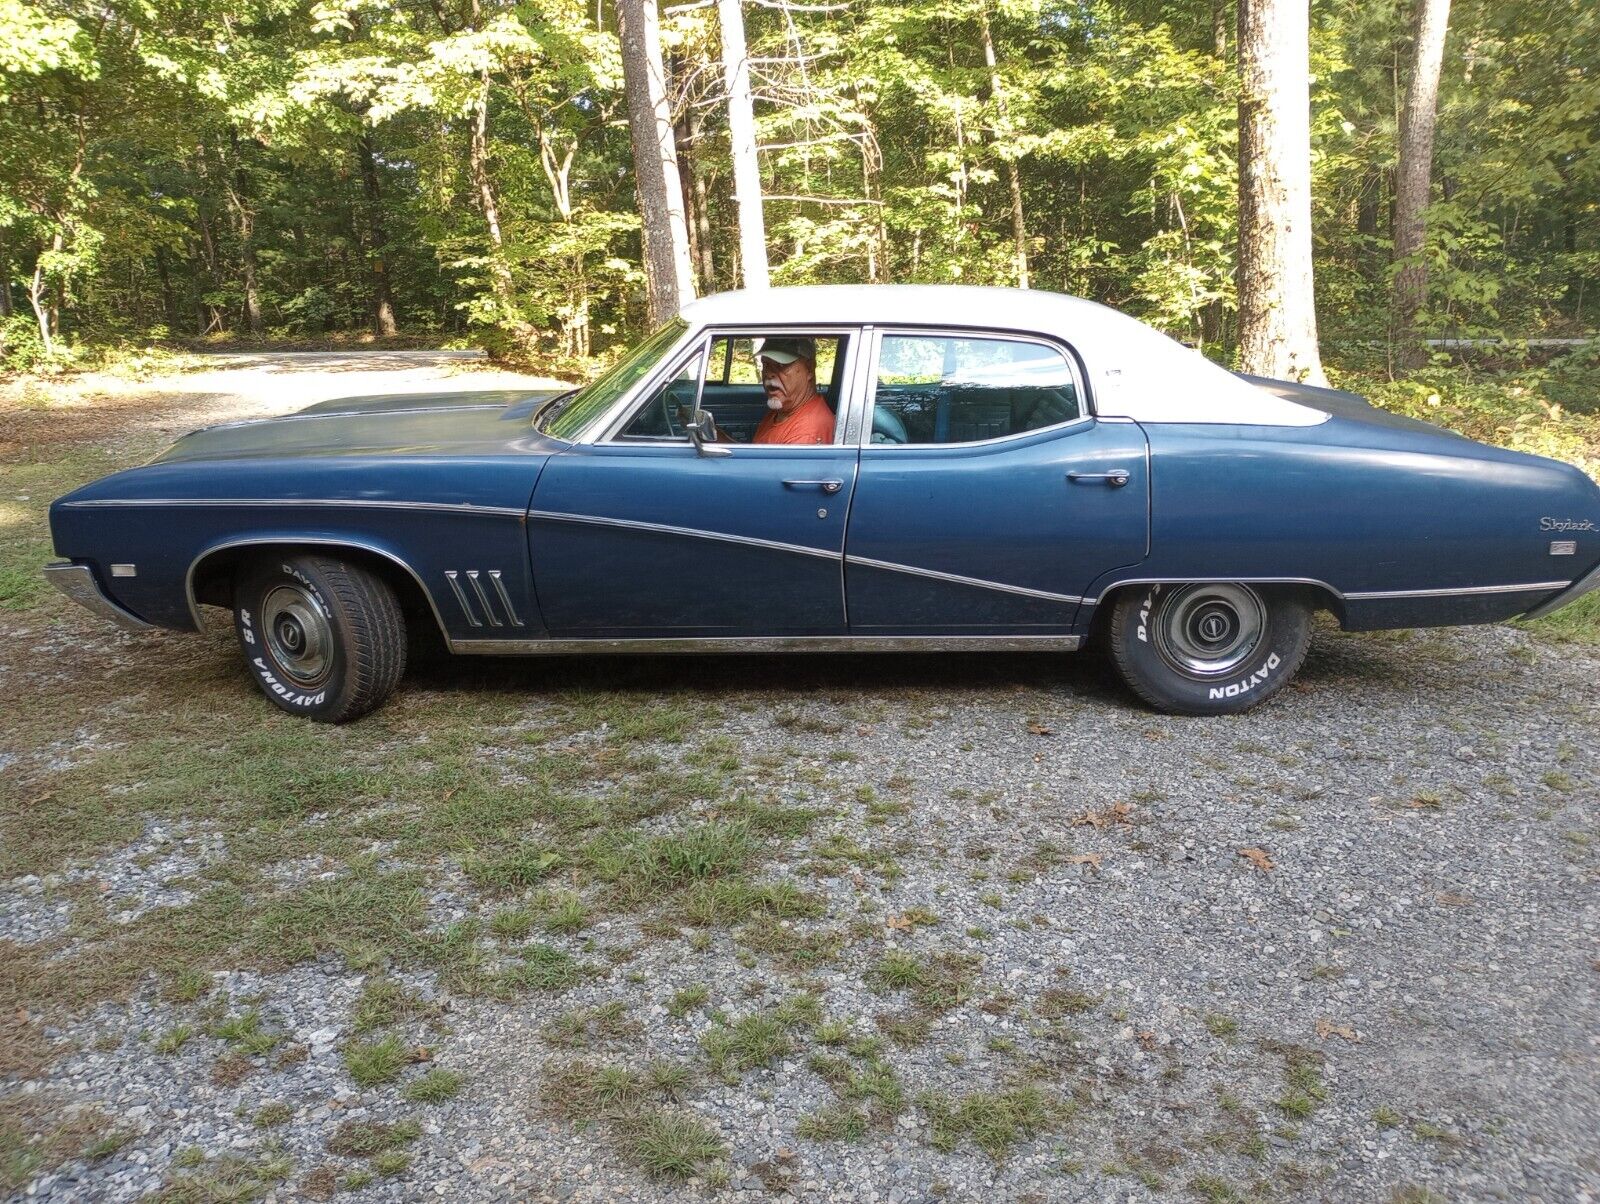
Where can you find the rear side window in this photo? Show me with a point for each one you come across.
(960, 389)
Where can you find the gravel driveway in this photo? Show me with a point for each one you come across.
(1041, 944)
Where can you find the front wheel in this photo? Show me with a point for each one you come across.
(324, 639)
(1208, 648)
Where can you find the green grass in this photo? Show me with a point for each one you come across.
(371, 1063)
(435, 1087)
(994, 1121)
(688, 999)
(364, 1138)
(542, 968)
(751, 1041)
(383, 1002)
(270, 1116)
(244, 1033)
(832, 1122)
(669, 1144)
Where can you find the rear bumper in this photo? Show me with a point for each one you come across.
(77, 581)
(1583, 585)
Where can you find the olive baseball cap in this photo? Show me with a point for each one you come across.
(786, 351)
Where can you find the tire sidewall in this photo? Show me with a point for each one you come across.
(330, 696)
(1266, 671)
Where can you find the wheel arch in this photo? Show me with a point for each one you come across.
(210, 577)
(1318, 594)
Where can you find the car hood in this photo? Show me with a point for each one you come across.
(419, 424)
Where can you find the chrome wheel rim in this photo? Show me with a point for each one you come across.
(298, 634)
(1210, 630)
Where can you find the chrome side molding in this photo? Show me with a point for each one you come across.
(793, 643)
(1585, 584)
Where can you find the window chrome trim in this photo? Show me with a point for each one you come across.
(742, 644)
(957, 579)
(275, 502)
(291, 541)
(773, 545)
(853, 336)
(1074, 365)
(613, 432)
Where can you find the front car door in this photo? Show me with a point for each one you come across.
(635, 534)
(989, 497)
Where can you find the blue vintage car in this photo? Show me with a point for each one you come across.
(1006, 470)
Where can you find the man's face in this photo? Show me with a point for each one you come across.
(787, 385)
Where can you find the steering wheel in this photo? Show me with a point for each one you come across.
(887, 427)
(674, 413)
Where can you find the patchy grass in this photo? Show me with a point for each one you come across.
(833, 1122)
(371, 1063)
(668, 1143)
(383, 1002)
(751, 1041)
(364, 1138)
(37, 1135)
(434, 1087)
(601, 1024)
(228, 1177)
(994, 1121)
(270, 1116)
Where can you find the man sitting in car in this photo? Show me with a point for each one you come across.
(797, 413)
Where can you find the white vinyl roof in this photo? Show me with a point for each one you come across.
(1134, 370)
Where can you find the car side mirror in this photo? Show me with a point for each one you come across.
(703, 434)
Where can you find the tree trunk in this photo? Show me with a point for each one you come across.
(1413, 177)
(1019, 227)
(669, 283)
(698, 206)
(478, 169)
(169, 299)
(1277, 307)
(377, 239)
(37, 289)
(742, 141)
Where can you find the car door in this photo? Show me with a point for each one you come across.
(989, 498)
(638, 535)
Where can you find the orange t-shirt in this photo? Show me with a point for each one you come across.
(809, 422)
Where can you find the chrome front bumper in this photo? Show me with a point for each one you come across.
(78, 583)
(1583, 585)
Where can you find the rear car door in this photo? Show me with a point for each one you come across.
(989, 497)
(637, 535)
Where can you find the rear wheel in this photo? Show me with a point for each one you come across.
(324, 639)
(1208, 648)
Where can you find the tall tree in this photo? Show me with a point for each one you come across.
(997, 92)
(669, 279)
(742, 138)
(1277, 307)
(1414, 175)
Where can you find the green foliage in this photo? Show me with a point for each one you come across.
(218, 171)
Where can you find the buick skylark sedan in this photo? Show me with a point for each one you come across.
(1006, 470)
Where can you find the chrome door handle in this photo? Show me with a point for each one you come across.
(825, 486)
(1116, 478)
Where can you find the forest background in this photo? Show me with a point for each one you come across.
(225, 173)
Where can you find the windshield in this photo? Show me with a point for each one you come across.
(567, 417)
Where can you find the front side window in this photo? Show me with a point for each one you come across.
(963, 389)
(762, 387)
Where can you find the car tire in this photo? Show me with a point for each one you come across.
(324, 639)
(1208, 648)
